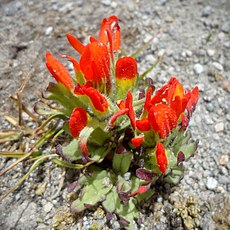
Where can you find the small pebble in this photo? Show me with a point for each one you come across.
(224, 159)
(206, 11)
(211, 52)
(48, 30)
(226, 27)
(198, 68)
(219, 127)
(218, 66)
(47, 207)
(106, 2)
(211, 183)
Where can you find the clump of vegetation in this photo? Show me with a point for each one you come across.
(124, 135)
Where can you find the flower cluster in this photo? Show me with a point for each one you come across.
(110, 117)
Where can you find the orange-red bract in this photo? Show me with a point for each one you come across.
(59, 72)
(99, 102)
(137, 141)
(143, 124)
(75, 43)
(162, 160)
(194, 96)
(162, 118)
(78, 120)
(126, 68)
(95, 63)
(110, 33)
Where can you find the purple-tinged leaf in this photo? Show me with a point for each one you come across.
(71, 187)
(59, 152)
(123, 221)
(144, 174)
(180, 158)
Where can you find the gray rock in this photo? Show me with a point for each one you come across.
(198, 68)
(210, 107)
(211, 183)
(206, 11)
(226, 27)
(211, 52)
(163, 2)
(106, 2)
(219, 127)
(47, 207)
(48, 30)
(208, 120)
(218, 66)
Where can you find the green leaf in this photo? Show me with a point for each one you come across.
(98, 153)
(95, 189)
(72, 151)
(61, 95)
(128, 211)
(188, 149)
(111, 201)
(121, 162)
(98, 136)
(174, 176)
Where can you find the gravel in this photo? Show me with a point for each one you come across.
(198, 68)
(192, 36)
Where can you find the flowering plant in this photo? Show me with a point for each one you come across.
(124, 136)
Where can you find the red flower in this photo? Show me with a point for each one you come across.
(162, 160)
(143, 124)
(126, 74)
(99, 102)
(126, 107)
(137, 141)
(126, 68)
(78, 121)
(142, 189)
(95, 63)
(162, 118)
(58, 71)
(194, 96)
(148, 99)
(167, 105)
(110, 33)
(167, 93)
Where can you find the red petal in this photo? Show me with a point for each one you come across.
(96, 57)
(110, 26)
(75, 43)
(185, 121)
(175, 89)
(78, 121)
(121, 104)
(191, 106)
(59, 72)
(148, 98)
(141, 189)
(84, 150)
(116, 115)
(168, 92)
(162, 160)
(162, 118)
(100, 103)
(137, 141)
(143, 124)
(160, 94)
(176, 105)
(74, 62)
(126, 68)
(129, 105)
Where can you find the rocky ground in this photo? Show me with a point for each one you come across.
(193, 36)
